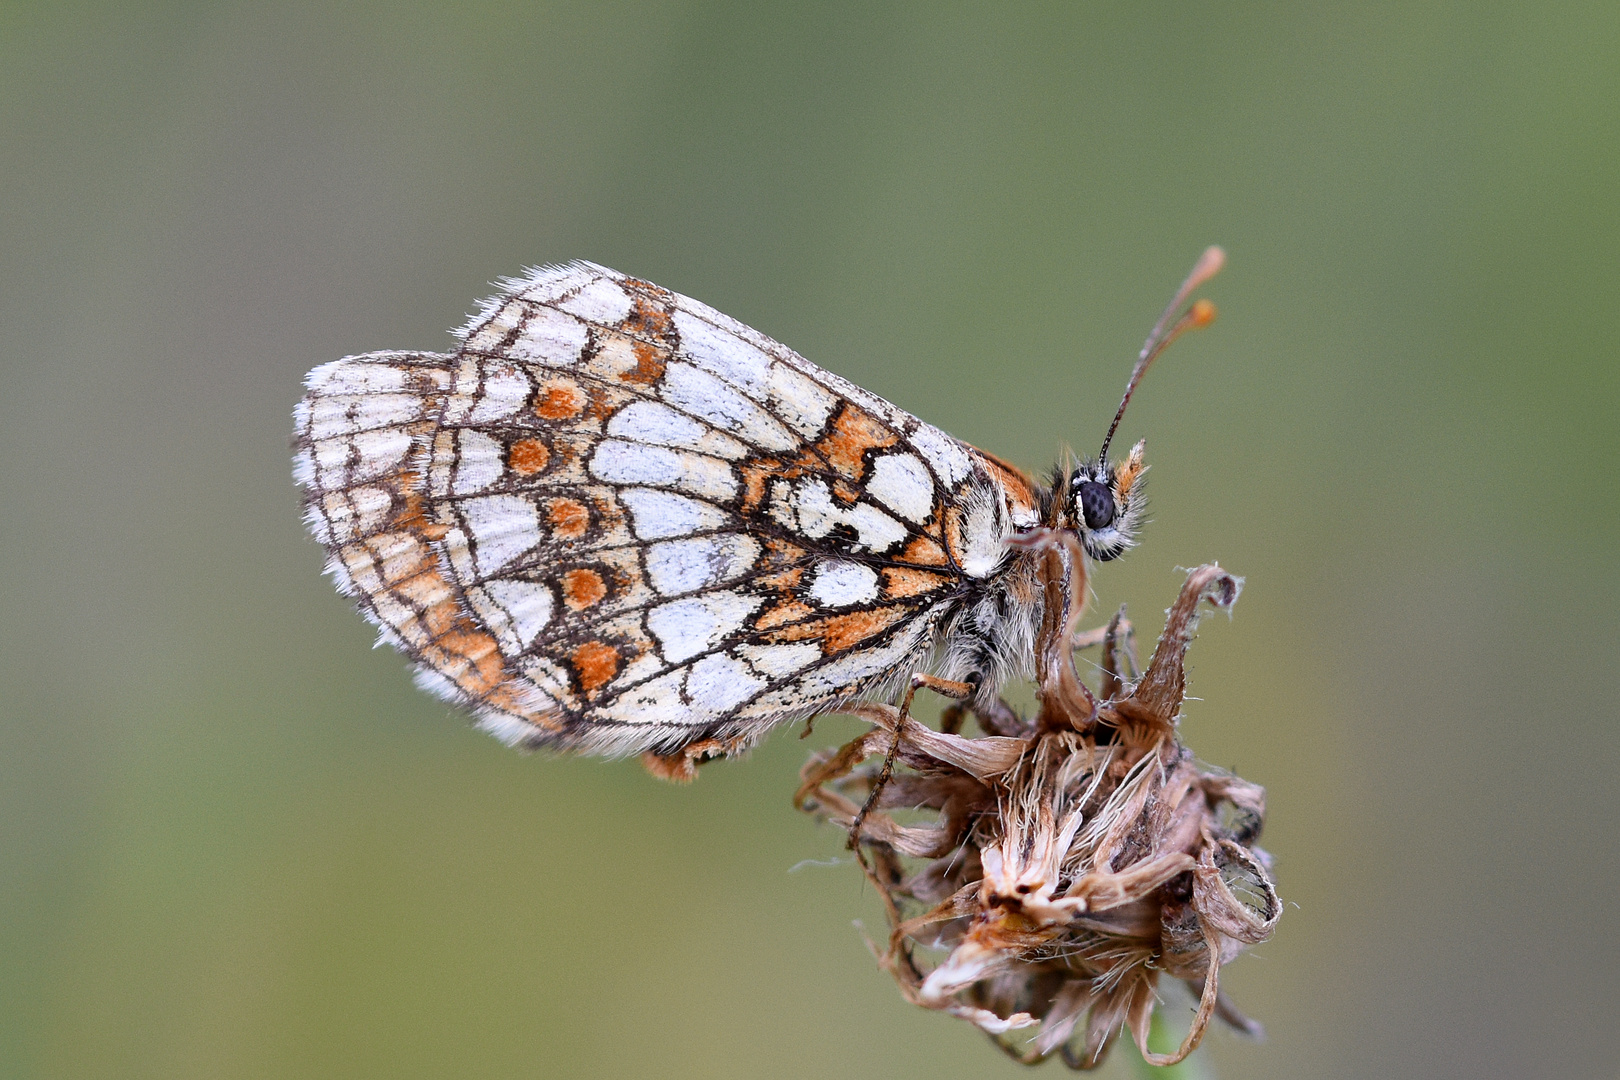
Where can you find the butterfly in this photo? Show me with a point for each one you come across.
(616, 521)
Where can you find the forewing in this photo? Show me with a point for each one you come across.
(620, 520)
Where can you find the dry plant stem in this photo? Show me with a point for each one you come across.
(948, 687)
(1072, 862)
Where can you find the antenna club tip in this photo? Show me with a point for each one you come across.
(1209, 264)
(1202, 313)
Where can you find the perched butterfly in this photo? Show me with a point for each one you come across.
(616, 521)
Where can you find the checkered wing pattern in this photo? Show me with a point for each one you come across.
(616, 520)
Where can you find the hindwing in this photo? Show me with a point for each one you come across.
(617, 520)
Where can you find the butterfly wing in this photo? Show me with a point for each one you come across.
(618, 520)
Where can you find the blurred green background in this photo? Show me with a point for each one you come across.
(236, 842)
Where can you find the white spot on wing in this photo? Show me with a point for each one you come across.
(548, 675)
(861, 664)
(902, 483)
(685, 628)
(356, 375)
(550, 337)
(347, 515)
(661, 514)
(630, 463)
(487, 331)
(840, 583)
(528, 604)
(504, 391)
(876, 530)
(379, 453)
(602, 301)
(332, 417)
(799, 401)
(780, 661)
(659, 425)
(718, 684)
(724, 354)
(503, 527)
(703, 395)
(818, 515)
(944, 453)
(478, 462)
(657, 701)
(680, 566)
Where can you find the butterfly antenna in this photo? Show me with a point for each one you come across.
(1169, 327)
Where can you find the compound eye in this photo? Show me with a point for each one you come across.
(1096, 504)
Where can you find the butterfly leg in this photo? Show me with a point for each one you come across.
(1085, 639)
(1118, 639)
(1118, 656)
(961, 691)
(1000, 718)
(994, 717)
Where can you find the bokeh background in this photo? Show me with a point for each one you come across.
(236, 842)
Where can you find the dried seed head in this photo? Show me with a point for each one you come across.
(1069, 869)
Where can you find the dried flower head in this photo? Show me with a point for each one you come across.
(1073, 860)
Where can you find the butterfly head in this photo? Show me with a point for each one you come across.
(1104, 504)
(1102, 501)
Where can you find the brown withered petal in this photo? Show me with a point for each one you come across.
(1067, 871)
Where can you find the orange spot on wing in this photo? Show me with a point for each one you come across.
(844, 631)
(601, 406)
(923, 551)
(854, 432)
(595, 662)
(431, 595)
(788, 611)
(528, 456)
(560, 399)
(568, 519)
(787, 579)
(899, 582)
(649, 364)
(756, 477)
(398, 556)
(441, 617)
(470, 659)
(648, 325)
(582, 588)
(839, 632)
(781, 553)
(412, 516)
(426, 588)
(646, 290)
